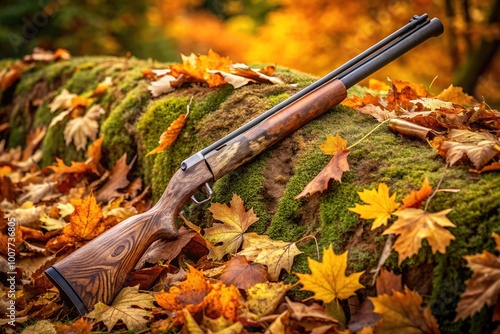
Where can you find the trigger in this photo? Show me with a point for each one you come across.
(209, 193)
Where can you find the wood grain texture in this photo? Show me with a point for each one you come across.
(97, 270)
(274, 128)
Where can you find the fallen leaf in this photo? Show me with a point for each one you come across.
(81, 326)
(280, 325)
(243, 274)
(377, 112)
(36, 192)
(102, 87)
(333, 170)
(84, 221)
(456, 95)
(263, 298)
(61, 101)
(275, 254)
(333, 145)
(402, 312)
(416, 197)
(480, 147)
(40, 327)
(170, 135)
(79, 129)
(414, 225)
(162, 85)
(483, 288)
(52, 224)
(129, 306)
(327, 279)
(379, 205)
(230, 234)
(117, 180)
(431, 104)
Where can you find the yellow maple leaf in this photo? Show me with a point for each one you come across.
(379, 206)
(327, 279)
(128, 306)
(333, 144)
(414, 225)
(402, 312)
(275, 254)
(230, 234)
(483, 288)
(170, 135)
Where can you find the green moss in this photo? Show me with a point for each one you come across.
(117, 127)
(248, 183)
(54, 147)
(166, 163)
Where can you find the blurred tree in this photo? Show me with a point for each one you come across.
(82, 27)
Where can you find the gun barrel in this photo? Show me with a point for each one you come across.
(404, 39)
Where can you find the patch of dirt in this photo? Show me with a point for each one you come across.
(367, 171)
(279, 169)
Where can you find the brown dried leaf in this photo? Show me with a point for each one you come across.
(117, 180)
(81, 326)
(483, 288)
(414, 225)
(334, 170)
(243, 274)
(402, 312)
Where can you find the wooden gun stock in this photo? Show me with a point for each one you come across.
(96, 272)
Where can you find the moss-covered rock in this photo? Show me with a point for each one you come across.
(133, 123)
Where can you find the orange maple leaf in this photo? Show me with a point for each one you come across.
(84, 221)
(170, 135)
(379, 206)
(483, 288)
(414, 225)
(402, 312)
(327, 279)
(196, 294)
(416, 197)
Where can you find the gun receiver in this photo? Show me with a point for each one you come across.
(96, 272)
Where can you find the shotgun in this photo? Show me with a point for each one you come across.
(96, 272)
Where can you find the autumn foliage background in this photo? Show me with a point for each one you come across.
(312, 36)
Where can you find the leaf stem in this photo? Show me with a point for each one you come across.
(437, 188)
(369, 133)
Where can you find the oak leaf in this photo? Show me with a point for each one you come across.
(402, 312)
(480, 147)
(333, 144)
(414, 225)
(416, 197)
(170, 135)
(242, 273)
(129, 306)
(230, 233)
(333, 170)
(80, 129)
(483, 288)
(379, 205)
(117, 180)
(275, 254)
(327, 279)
